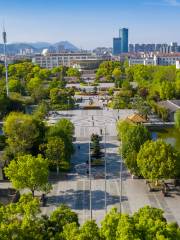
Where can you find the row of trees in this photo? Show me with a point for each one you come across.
(29, 84)
(154, 160)
(149, 83)
(22, 220)
(27, 136)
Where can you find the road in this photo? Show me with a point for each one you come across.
(74, 190)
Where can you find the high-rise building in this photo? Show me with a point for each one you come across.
(124, 35)
(116, 46)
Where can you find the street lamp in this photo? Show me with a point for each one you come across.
(120, 178)
(90, 183)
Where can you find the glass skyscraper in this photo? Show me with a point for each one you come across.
(116, 46)
(124, 35)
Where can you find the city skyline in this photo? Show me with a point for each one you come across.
(90, 24)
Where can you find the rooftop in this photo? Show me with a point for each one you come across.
(171, 105)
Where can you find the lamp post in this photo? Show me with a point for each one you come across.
(120, 177)
(90, 183)
(105, 172)
(4, 35)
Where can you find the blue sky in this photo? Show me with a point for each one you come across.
(91, 23)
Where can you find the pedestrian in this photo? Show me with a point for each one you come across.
(79, 147)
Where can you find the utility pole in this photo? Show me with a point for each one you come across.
(90, 190)
(120, 178)
(4, 35)
(105, 172)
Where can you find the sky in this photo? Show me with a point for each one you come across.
(91, 23)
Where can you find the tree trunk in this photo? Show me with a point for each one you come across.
(32, 192)
(57, 169)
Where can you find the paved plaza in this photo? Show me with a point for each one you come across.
(74, 189)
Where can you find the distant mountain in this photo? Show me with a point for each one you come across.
(66, 45)
(14, 48)
(40, 45)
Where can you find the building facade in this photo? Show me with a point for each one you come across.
(124, 35)
(116, 46)
(51, 60)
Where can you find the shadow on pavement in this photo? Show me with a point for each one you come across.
(79, 200)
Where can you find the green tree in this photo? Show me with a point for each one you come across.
(62, 216)
(151, 224)
(106, 69)
(109, 225)
(19, 221)
(73, 72)
(36, 88)
(158, 160)
(41, 111)
(62, 98)
(177, 119)
(133, 137)
(55, 151)
(15, 86)
(29, 172)
(126, 229)
(167, 90)
(23, 132)
(64, 129)
(70, 232)
(89, 231)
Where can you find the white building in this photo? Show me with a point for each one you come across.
(159, 59)
(50, 60)
(143, 61)
(178, 64)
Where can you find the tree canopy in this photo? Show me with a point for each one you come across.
(28, 172)
(158, 160)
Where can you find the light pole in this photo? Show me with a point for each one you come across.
(90, 183)
(105, 172)
(120, 177)
(4, 35)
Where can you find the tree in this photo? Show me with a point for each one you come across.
(126, 229)
(133, 137)
(64, 129)
(55, 151)
(70, 232)
(89, 231)
(167, 90)
(177, 119)
(23, 132)
(36, 88)
(61, 216)
(19, 220)
(106, 69)
(41, 111)
(117, 76)
(62, 98)
(141, 106)
(109, 225)
(151, 224)
(158, 160)
(29, 172)
(15, 85)
(73, 72)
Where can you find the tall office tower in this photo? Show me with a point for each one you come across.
(116, 46)
(124, 35)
